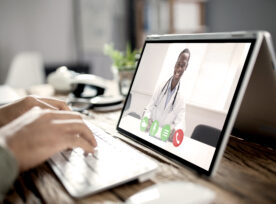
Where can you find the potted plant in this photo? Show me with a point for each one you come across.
(123, 65)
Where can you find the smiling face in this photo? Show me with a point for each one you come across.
(181, 65)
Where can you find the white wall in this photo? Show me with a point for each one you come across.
(150, 67)
(145, 84)
(36, 25)
(62, 31)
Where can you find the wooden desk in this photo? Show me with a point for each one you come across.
(247, 174)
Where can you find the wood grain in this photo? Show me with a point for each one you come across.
(247, 174)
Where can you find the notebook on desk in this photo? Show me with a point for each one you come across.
(182, 104)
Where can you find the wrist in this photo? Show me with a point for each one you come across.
(8, 170)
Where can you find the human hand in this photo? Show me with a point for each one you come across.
(11, 111)
(51, 132)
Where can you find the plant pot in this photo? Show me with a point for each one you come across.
(125, 79)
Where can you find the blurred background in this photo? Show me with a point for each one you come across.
(74, 32)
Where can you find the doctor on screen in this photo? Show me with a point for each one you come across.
(167, 104)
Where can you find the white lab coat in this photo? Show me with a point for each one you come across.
(169, 115)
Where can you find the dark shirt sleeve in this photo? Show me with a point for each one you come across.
(8, 171)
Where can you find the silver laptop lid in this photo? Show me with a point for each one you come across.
(256, 120)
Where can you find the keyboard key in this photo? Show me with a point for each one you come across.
(112, 163)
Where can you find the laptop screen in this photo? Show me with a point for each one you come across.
(181, 95)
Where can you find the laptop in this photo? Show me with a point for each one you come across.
(182, 104)
(256, 119)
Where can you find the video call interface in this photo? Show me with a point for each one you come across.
(181, 95)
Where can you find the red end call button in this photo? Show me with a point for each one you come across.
(178, 137)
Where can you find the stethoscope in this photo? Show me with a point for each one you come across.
(165, 89)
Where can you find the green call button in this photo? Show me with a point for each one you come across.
(154, 128)
(144, 124)
(165, 133)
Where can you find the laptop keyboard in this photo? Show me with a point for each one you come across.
(113, 163)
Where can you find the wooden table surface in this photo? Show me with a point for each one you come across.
(247, 174)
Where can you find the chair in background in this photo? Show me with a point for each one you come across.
(135, 115)
(127, 106)
(26, 70)
(128, 102)
(206, 134)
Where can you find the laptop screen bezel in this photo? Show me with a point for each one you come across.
(164, 152)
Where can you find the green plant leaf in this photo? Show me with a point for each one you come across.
(120, 60)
